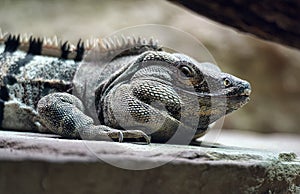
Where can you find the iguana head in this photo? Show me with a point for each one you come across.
(158, 91)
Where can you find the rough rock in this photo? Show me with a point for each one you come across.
(41, 163)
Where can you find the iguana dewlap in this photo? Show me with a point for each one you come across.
(132, 91)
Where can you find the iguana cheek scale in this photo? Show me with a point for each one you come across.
(141, 92)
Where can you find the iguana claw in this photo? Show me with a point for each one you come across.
(121, 137)
(132, 135)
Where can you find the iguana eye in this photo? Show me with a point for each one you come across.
(227, 82)
(186, 71)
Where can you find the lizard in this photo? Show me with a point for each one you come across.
(127, 89)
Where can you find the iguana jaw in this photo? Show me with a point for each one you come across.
(226, 99)
(209, 106)
(235, 102)
(238, 94)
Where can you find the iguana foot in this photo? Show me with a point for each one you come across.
(105, 133)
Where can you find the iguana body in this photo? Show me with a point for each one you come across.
(130, 89)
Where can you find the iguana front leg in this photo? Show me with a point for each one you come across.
(63, 114)
(154, 108)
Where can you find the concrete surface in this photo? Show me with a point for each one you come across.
(41, 163)
(277, 142)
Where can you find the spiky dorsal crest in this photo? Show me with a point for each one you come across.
(53, 47)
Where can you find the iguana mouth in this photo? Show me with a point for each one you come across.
(223, 94)
(221, 102)
(238, 98)
(241, 91)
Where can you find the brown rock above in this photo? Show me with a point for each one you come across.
(276, 21)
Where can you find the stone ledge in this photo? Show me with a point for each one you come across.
(41, 163)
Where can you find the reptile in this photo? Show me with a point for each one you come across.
(120, 89)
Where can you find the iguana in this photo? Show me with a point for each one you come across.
(127, 89)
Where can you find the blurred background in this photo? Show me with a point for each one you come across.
(272, 70)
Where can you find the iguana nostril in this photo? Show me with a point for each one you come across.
(246, 92)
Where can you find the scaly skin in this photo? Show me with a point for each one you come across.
(139, 92)
(159, 91)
